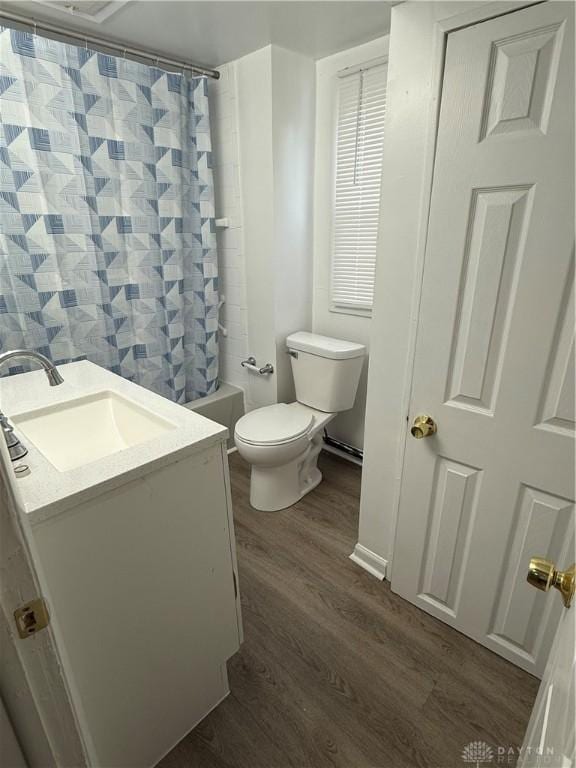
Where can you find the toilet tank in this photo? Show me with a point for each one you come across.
(326, 371)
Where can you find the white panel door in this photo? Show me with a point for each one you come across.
(494, 359)
(550, 738)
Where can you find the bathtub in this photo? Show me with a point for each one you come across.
(225, 407)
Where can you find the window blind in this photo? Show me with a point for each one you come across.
(360, 129)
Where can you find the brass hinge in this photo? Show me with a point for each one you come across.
(32, 617)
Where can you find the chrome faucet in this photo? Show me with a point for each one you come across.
(16, 449)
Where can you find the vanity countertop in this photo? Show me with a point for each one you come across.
(46, 490)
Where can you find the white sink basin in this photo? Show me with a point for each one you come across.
(78, 432)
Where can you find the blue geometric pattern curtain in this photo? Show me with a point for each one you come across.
(107, 241)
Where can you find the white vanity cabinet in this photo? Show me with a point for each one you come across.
(142, 581)
(138, 553)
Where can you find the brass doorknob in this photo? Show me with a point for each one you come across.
(423, 426)
(543, 575)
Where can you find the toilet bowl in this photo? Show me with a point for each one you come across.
(282, 442)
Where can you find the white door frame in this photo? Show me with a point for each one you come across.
(418, 39)
(34, 689)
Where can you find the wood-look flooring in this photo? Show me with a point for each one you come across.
(335, 669)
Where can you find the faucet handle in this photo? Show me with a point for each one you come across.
(15, 448)
(5, 424)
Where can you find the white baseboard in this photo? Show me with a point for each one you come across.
(370, 561)
(232, 450)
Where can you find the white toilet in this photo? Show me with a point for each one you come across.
(282, 442)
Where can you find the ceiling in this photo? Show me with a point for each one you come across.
(214, 32)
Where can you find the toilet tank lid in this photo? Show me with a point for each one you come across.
(324, 346)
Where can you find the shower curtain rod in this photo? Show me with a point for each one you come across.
(99, 43)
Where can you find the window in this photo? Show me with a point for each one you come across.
(360, 128)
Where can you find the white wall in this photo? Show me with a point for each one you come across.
(293, 97)
(276, 125)
(254, 73)
(349, 426)
(273, 125)
(231, 266)
(262, 113)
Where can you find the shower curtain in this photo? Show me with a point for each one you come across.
(107, 240)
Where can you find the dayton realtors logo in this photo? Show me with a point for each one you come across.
(477, 752)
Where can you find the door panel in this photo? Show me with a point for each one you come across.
(550, 741)
(454, 500)
(497, 230)
(494, 353)
(557, 412)
(542, 523)
(523, 72)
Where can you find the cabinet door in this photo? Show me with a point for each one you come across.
(142, 582)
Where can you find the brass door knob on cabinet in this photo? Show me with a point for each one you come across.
(423, 426)
(543, 575)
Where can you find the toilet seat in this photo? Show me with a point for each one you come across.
(274, 425)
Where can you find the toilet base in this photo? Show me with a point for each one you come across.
(276, 488)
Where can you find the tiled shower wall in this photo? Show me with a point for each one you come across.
(233, 315)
